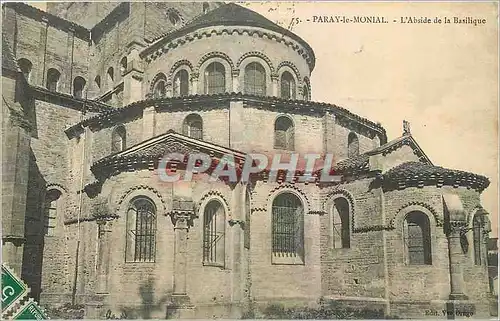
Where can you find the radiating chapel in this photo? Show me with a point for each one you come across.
(94, 94)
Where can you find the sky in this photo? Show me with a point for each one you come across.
(442, 78)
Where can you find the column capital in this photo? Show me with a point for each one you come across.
(182, 219)
(274, 77)
(235, 72)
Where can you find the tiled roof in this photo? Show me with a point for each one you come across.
(421, 174)
(272, 102)
(360, 163)
(231, 14)
(8, 60)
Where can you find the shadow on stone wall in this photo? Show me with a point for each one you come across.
(34, 230)
(150, 307)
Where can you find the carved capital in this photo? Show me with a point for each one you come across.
(182, 219)
(235, 72)
(234, 222)
(274, 77)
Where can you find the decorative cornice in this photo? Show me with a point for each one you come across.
(211, 55)
(257, 54)
(174, 40)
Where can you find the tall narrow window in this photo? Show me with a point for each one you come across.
(287, 86)
(118, 139)
(111, 77)
(25, 65)
(417, 239)
(352, 145)
(51, 209)
(193, 126)
(255, 79)
(97, 81)
(248, 212)
(53, 79)
(123, 65)
(341, 219)
(477, 238)
(78, 86)
(288, 226)
(284, 133)
(305, 92)
(215, 78)
(141, 230)
(214, 224)
(181, 83)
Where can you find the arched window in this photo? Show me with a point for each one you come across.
(341, 228)
(97, 81)
(288, 226)
(214, 224)
(206, 6)
(193, 126)
(123, 65)
(111, 77)
(78, 86)
(181, 83)
(248, 212)
(159, 86)
(477, 239)
(284, 133)
(51, 208)
(25, 65)
(215, 78)
(417, 239)
(352, 145)
(141, 230)
(287, 86)
(53, 79)
(255, 79)
(305, 92)
(118, 139)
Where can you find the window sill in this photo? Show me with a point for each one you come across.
(287, 260)
(212, 264)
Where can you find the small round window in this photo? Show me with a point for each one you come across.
(174, 17)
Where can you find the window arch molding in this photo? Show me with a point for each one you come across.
(283, 69)
(118, 139)
(267, 68)
(306, 84)
(228, 69)
(179, 91)
(141, 224)
(399, 221)
(159, 78)
(123, 199)
(178, 65)
(192, 126)
(26, 67)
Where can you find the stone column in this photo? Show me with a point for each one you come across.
(194, 83)
(236, 80)
(180, 306)
(104, 254)
(455, 256)
(274, 81)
